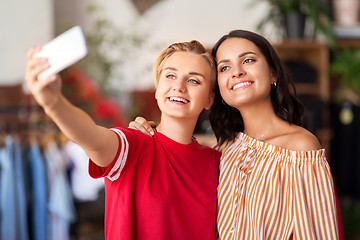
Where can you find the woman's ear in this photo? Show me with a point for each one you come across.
(273, 77)
(210, 101)
(156, 94)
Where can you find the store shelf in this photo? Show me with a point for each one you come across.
(316, 54)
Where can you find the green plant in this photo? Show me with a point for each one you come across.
(345, 66)
(108, 47)
(313, 10)
(322, 19)
(350, 209)
(344, 69)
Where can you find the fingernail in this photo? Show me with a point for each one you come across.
(151, 133)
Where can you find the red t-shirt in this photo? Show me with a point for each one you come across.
(157, 188)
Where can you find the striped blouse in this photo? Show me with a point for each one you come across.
(269, 192)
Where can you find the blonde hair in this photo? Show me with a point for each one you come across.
(189, 47)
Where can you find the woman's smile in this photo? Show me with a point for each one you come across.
(178, 100)
(241, 85)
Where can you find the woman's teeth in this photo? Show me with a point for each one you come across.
(177, 99)
(242, 84)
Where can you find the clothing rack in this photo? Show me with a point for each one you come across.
(19, 111)
(23, 119)
(19, 118)
(29, 153)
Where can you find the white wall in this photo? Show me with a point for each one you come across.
(23, 24)
(180, 20)
(183, 20)
(166, 22)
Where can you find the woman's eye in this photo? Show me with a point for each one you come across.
(224, 68)
(249, 60)
(170, 76)
(193, 81)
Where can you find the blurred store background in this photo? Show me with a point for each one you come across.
(45, 191)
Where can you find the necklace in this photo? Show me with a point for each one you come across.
(264, 134)
(267, 131)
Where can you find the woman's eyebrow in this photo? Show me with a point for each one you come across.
(245, 53)
(190, 73)
(240, 55)
(196, 74)
(170, 68)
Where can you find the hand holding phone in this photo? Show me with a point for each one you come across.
(63, 51)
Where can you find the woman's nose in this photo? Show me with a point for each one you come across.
(179, 86)
(238, 72)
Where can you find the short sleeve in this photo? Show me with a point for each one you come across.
(112, 172)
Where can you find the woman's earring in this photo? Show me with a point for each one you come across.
(273, 85)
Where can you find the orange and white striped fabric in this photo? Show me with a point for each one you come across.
(268, 192)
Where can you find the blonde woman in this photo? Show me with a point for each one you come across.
(159, 187)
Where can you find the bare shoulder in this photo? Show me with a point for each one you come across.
(298, 139)
(305, 141)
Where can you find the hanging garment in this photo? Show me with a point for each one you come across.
(39, 221)
(7, 194)
(61, 205)
(13, 198)
(21, 204)
(84, 188)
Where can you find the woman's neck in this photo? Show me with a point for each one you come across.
(179, 130)
(259, 122)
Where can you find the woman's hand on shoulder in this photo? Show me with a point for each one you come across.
(143, 125)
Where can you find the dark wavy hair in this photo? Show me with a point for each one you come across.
(227, 122)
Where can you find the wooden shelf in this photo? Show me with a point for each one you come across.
(348, 43)
(314, 53)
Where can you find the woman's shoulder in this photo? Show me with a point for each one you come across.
(297, 138)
